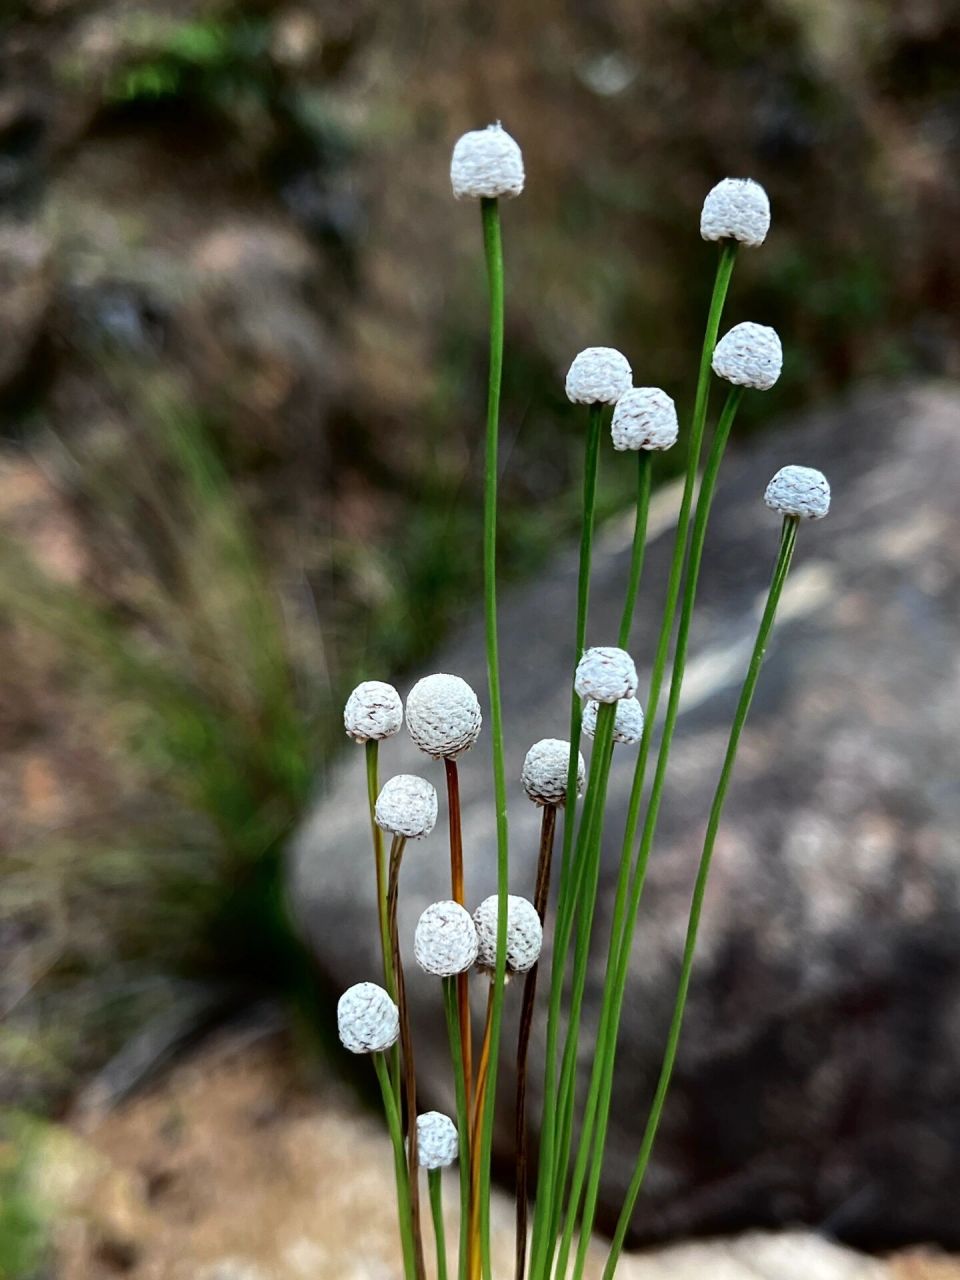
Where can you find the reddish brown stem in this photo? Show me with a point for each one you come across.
(475, 1131)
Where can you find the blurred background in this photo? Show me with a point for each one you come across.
(242, 368)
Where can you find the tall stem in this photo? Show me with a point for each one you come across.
(479, 1113)
(373, 790)
(458, 893)
(644, 471)
(463, 1120)
(435, 1188)
(404, 1211)
(493, 250)
(787, 544)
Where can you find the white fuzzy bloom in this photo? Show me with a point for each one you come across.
(544, 773)
(486, 162)
(599, 375)
(407, 806)
(524, 933)
(445, 942)
(644, 418)
(443, 716)
(367, 1019)
(749, 355)
(373, 712)
(606, 674)
(799, 491)
(627, 721)
(736, 209)
(437, 1142)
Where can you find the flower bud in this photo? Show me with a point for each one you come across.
(407, 806)
(524, 933)
(445, 942)
(606, 674)
(437, 1142)
(599, 375)
(736, 209)
(799, 491)
(367, 1019)
(544, 774)
(486, 163)
(373, 712)
(644, 418)
(750, 355)
(627, 723)
(443, 716)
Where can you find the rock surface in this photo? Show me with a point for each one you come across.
(818, 1076)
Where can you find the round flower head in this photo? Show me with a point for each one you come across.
(750, 355)
(437, 1144)
(736, 209)
(599, 375)
(544, 774)
(443, 716)
(644, 418)
(367, 1019)
(799, 491)
(486, 162)
(524, 933)
(373, 711)
(407, 806)
(627, 721)
(606, 675)
(445, 942)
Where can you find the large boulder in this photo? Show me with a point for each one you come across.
(819, 1074)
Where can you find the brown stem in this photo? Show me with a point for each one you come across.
(475, 1130)
(406, 1048)
(458, 893)
(548, 826)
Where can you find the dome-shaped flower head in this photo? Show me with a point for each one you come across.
(544, 774)
(627, 722)
(606, 674)
(749, 355)
(437, 1143)
(524, 933)
(367, 1019)
(407, 806)
(486, 163)
(736, 209)
(644, 418)
(445, 942)
(443, 716)
(599, 375)
(373, 712)
(799, 491)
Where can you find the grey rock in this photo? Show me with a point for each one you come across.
(26, 290)
(819, 1074)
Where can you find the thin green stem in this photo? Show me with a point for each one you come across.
(644, 472)
(373, 790)
(451, 1010)
(435, 1188)
(404, 1212)
(493, 250)
(787, 544)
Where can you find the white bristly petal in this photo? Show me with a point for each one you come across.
(606, 674)
(437, 1142)
(373, 712)
(544, 774)
(443, 716)
(367, 1019)
(486, 163)
(736, 209)
(627, 724)
(524, 933)
(407, 806)
(445, 942)
(750, 355)
(644, 418)
(598, 375)
(799, 491)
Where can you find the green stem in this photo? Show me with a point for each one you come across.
(404, 1212)
(372, 754)
(435, 1188)
(451, 1009)
(644, 472)
(785, 555)
(493, 250)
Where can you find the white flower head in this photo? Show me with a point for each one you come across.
(799, 491)
(749, 355)
(367, 1019)
(486, 163)
(407, 806)
(736, 209)
(598, 375)
(443, 716)
(524, 933)
(627, 721)
(644, 418)
(445, 942)
(437, 1142)
(545, 768)
(373, 712)
(606, 674)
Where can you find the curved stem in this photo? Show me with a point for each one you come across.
(404, 1212)
(435, 1188)
(463, 1118)
(781, 569)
